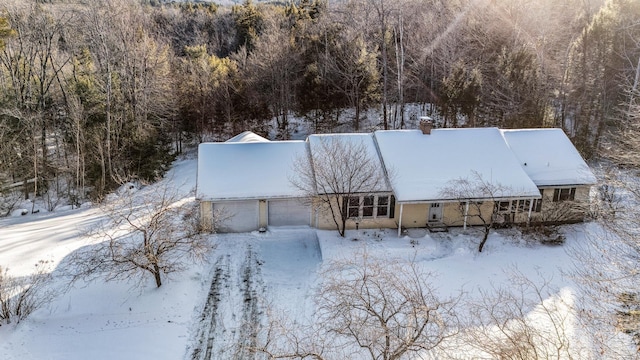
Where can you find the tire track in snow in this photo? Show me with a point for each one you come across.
(252, 287)
(209, 318)
(232, 314)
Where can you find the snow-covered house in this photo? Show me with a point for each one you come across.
(249, 181)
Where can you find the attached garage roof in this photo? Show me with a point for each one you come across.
(549, 157)
(424, 165)
(248, 170)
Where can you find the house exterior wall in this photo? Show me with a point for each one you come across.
(453, 213)
(415, 215)
(206, 215)
(263, 212)
(563, 211)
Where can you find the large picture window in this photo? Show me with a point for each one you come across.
(370, 206)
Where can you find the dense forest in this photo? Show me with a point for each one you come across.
(98, 92)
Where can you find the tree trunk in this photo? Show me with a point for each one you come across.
(356, 123)
(487, 229)
(156, 275)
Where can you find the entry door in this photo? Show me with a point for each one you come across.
(435, 212)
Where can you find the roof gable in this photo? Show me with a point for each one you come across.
(247, 136)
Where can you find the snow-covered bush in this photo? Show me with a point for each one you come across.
(21, 296)
(8, 201)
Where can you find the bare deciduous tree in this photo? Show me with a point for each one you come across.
(149, 232)
(369, 308)
(472, 192)
(386, 308)
(338, 169)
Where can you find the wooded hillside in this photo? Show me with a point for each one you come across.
(95, 93)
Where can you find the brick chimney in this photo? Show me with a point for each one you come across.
(426, 124)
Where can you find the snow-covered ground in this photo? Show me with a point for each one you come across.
(207, 310)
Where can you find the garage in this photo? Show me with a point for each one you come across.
(289, 212)
(237, 216)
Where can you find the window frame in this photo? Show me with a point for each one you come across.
(502, 208)
(564, 194)
(367, 209)
(350, 206)
(537, 205)
(523, 205)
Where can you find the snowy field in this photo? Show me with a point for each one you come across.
(204, 312)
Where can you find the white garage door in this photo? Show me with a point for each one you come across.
(289, 212)
(237, 216)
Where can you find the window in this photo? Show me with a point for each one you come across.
(353, 206)
(564, 194)
(367, 206)
(370, 206)
(382, 209)
(537, 205)
(523, 205)
(504, 206)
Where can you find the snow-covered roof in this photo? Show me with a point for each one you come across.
(356, 140)
(549, 157)
(248, 170)
(247, 136)
(420, 166)
(424, 165)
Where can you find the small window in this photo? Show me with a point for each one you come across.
(565, 194)
(367, 206)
